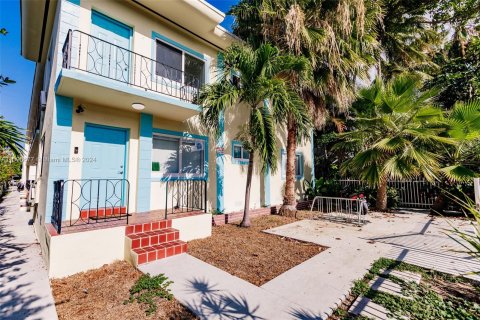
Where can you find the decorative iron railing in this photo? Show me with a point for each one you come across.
(185, 196)
(85, 52)
(86, 201)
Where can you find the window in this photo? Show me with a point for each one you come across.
(174, 156)
(179, 66)
(240, 155)
(298, 165)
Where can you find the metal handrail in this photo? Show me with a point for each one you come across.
(109, 60)
(185, 195)
(85, 201)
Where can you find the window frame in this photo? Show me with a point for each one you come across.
(301, 164)
(181, 136)
(158, 78)
(242, 160)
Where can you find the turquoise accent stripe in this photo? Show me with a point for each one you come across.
(144, 162)
(156, 35)
(110, 24)
(77, 2)
(312, 146)
(59, 149)
(184, 135)
(267, 187)
(220, 165)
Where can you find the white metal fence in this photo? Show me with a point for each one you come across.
(340, 209)
(412, 193)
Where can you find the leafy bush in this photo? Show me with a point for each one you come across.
(370, 193)
(147, 288)
(322, 187)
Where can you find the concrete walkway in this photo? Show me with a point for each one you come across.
(313, 289)
(24, 286)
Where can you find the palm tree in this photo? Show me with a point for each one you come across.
(397, 130)
(337, 38)
(260, 75)
(11, 137)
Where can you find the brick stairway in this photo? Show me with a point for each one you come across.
(152, 241)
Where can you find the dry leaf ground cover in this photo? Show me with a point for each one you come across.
(100, 294)
(251, 254)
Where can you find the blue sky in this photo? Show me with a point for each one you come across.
(15, 99)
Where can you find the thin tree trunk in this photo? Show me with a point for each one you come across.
(246, 209)
(382, 195)
(289, 207)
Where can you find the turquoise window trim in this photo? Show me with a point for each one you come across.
(283, 159)
(184, 135)
(108, 23)
(77, 2)
(235, 160)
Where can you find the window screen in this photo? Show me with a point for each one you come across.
(169, 62)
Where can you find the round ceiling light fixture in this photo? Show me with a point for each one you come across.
(138, 106)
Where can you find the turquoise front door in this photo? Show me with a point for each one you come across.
(104, 158)
(108, 49)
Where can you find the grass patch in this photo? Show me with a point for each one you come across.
(439, 295)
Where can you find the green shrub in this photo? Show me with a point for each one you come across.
(147, 288)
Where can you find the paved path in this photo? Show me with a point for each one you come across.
(24, 286)
(313, 289)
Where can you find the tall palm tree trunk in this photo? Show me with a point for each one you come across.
(289, 207)
(246, 209)
(382, 195)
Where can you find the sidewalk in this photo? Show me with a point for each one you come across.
(24, 286)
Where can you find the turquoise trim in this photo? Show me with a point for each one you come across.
(312, 146)
(236, 160)
(183, 135)
(156, 35)
(77, 2)
(59, 150)
(123, 87)
(144, 163)
(220, 165)
(284, 164)
(112, 25)
(267, 187)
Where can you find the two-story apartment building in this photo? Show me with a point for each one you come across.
(122, 167)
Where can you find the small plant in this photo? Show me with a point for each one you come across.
(147, 288)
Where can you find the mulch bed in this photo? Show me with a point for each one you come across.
(100, 294)
(251, 254)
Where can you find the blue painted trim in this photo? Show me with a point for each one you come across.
(183, 135)
(144, 162)
(312, 146)
(283, 156)
(236, 160)
(267, 187)
(156, 35)
(220, 165)
(59, 150)
(77, 2)
(110, 24)
(123, 87)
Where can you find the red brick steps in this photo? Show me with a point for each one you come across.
(152, 241)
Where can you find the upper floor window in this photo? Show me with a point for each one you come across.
(174, 156)
(179, 66)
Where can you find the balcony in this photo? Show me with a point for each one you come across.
(97, 71)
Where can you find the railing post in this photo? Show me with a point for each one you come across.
(205, 196)
(166, 199)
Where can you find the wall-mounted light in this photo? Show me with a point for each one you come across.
(80, 109)
(138, 106)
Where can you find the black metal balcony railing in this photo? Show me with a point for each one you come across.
(85, 52)
(85, 201)
(185, 196)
